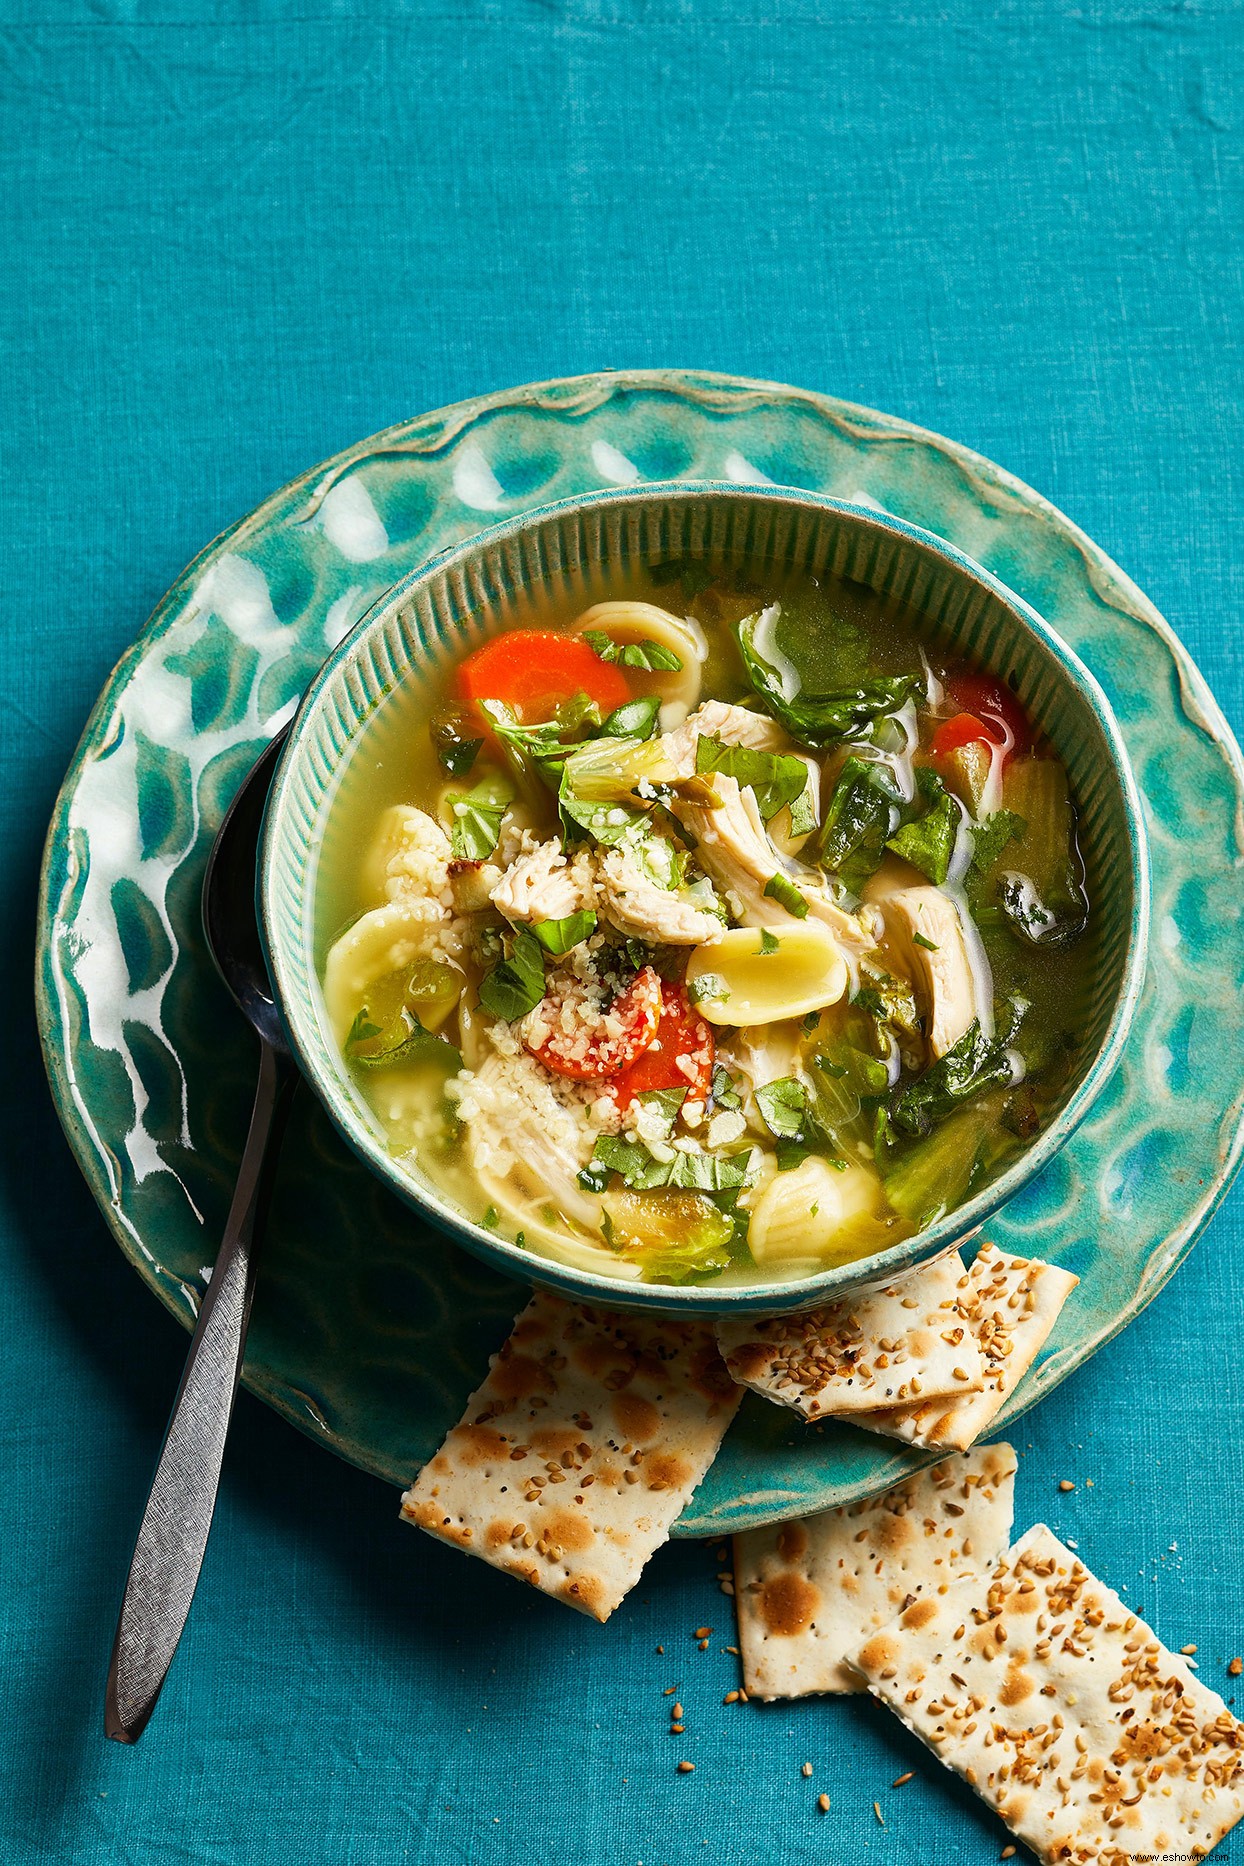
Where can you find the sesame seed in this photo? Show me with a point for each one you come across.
(1065, 1483)
(731, 1697)
(822, 1802)
(1187, 1651)
(807, 1769)
(1007, 1853)
(686, 1768)
(702, 1632)
(903, 1778)
(677, 1729)
(669, 1691)
(661, 1649)
(677, 1713)
(704, 1645)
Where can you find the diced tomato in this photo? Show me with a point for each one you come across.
(533, 670)
(590, 1050)
(992, 704)
(679, 1056)
(963, 729)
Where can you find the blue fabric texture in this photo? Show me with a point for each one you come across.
(235, 238)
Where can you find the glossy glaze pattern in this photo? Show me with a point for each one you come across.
(368, 1330)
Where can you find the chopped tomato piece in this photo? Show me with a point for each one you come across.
(680, 1055)
(994, 705)
(573, 1036)
(963, 729)
(533, 670)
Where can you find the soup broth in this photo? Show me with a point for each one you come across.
(712, 926)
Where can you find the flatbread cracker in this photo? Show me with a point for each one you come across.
(1064, 1712)
(579, 1450)
(887, 1346)
(1012, 1304)
(809, 1593)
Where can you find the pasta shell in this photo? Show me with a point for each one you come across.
(812, 1215)
(383, 941)
(638, 622)
(756, 975)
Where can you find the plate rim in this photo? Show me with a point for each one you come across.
(575, 397)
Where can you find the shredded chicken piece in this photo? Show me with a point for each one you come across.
(517, 1125)
(636, 905)
(733, 725)
(545, 885)
(471, 885)
(940, 971)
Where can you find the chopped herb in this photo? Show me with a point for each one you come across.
(928, 944)
(515, 985)
(708, 988)
(783, 890)
(862, 812)
(769, 943)
(725, 1094)
(361, 1030)
(558, 936)
(639, 1168)
(668, 1104)
(477, 818)
(928, 841)
(650, 657)
(635, 719)
(491, 1218)
(784, 1105)
(777, 779)
(520, 1238)
(809, 1023)
(536, 753)
(989, 839)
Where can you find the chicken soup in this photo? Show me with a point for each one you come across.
(715, 929)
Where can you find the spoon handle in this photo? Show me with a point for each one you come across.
(175, 1525)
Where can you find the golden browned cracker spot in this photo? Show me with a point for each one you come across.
(1091, 1740)
(867, 1561)
(919, 1614)
(581, 1447)
(787, 1603)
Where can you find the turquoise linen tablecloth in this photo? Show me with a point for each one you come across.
(235, 238)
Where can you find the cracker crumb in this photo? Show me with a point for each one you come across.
(877, 1811)
(807, 1769)
(1236, 1667)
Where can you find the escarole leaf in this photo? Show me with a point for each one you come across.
(649, 657)
(516, 984)
(861, 814)
(823, 716)
(973, 1065)
(928, 841)
(477, 817)
(777, 779)
(559, 936)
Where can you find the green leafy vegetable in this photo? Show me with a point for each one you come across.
(973, 1065)
(456, 746)
(928, 841)
(477, 818)
(639, 1168)
(888, 1006)
(536, 753)
(937, 1173)
(777, 779)
(634, 719)
(725, 1093)
(769, 943)
(650, 657)
(862, 812)
(515, 985)
(989, 839)
(823, 715)
(558, 936)
(784, 1105)
(708, 988)
(783, 890)
(702, 1251)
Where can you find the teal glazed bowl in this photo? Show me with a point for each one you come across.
(455, 600)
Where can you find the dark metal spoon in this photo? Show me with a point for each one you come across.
(173, 1536)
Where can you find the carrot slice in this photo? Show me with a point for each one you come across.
(680, 1056)
(533, 670)
(590, 1049)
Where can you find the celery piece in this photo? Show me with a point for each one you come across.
(966, 771)
(1044, 899)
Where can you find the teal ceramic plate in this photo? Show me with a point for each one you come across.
(369, 1329)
